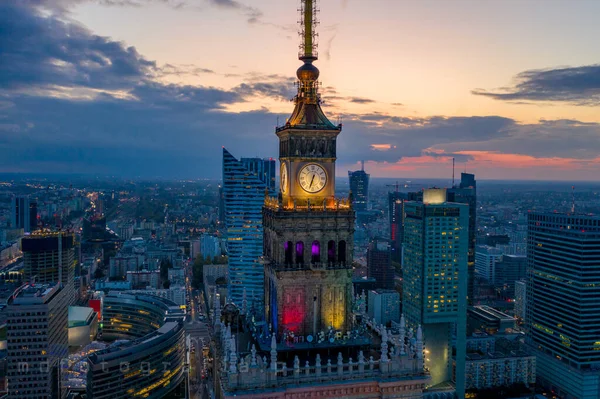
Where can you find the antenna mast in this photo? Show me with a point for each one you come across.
(452, 171)
(308, 23)
(573, 199)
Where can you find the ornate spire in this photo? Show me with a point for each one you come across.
(232, 356)
(419, 345)
(307, 112)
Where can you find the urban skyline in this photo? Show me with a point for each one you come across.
(169, 94)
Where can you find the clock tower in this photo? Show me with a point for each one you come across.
(308, 232)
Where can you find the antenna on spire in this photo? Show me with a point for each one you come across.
(308, 23)
(452, 171)
(573, 199)
(362, 165)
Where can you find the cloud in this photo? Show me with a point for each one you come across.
(253, 14)
(573, 85)
(361, 100)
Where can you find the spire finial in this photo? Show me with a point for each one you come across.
(308, 23)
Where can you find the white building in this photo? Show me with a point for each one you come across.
(383, 306)
(497, 369)
(485, 262)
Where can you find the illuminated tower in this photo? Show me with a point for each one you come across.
(308, 232)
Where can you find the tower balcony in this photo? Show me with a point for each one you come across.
(330, 204)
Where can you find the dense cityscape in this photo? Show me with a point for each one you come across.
(287, 278)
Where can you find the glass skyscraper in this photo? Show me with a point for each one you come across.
(435, 283)
(562, 311)
(359, 185)
(244, 184)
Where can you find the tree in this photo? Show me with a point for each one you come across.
(198, 272)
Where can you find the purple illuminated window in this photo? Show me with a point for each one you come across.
(299, 252)
(288, 248)
(316, 252)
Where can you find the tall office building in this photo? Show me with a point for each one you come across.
(396, 201)
(520, 300)
(485, 262)
(466, 193)
(379, 263)
(562, 302)
(359, 185)
(263, 168)
(37, 340)
(50, 257)
(24, 213)
(434, 291)
(244, 197)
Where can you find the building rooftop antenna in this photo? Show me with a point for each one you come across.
(453, 160)
(362, 165)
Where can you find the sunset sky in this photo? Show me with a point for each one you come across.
(510, 88)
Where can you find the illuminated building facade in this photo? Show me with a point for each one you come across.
(37, 340)
(151, 363)
(466, 193)
(314, 342)
(434, 290)
(243, 198)
(562, 302)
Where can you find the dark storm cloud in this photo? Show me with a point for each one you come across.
(576, 85)
(39, 50)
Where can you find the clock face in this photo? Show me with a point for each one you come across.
(312, 178)
(284, 178)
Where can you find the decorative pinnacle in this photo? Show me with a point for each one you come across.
(308, 23)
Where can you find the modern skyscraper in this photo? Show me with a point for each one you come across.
(244, 197)
(434, 290)
(359, 185)
(37, 339)
(263, 168)
(396, 217)
(562, 302)
(485, 262)
(50, 257)
(24, 213)
(466, 193)
(379, 263)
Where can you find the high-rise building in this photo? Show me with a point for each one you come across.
(563, 288)
(244, 197)
(485, 262)
(50, 257)
(509, 269)
(359, 185)
(520, 300)
(396, 217)
(37, 339)
(434, 289)
(383, 306)
(24, 214)
(466, 193)
(263, 168)
(379, 263)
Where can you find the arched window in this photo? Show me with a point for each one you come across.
(288, 248)
(331, 252)
(315, 252)
(342, 252)
(299, 253)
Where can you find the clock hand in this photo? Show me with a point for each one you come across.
(311, 181)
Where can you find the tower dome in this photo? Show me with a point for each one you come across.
(307, 72)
